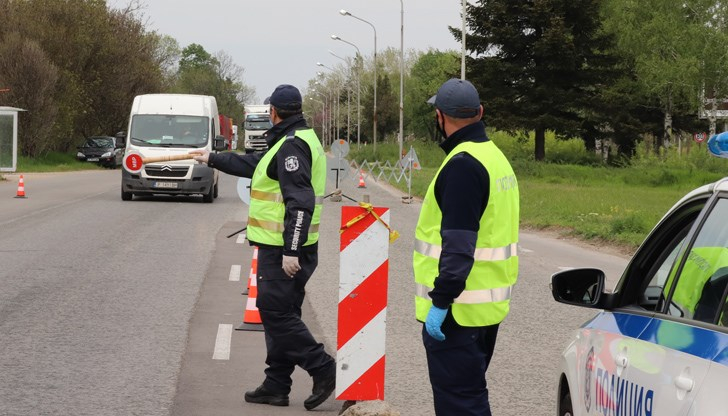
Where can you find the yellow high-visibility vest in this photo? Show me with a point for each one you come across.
(486, 298)
(267, 210)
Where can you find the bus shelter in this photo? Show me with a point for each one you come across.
(9, 138)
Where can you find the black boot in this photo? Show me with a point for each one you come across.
(323, 385)
(264, 396)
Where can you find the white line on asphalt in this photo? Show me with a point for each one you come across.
(565, 268)
(241, 238)
(235, 273)
(222, 342)
(525, 250)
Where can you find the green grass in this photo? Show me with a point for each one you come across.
(53, 162)
(577, 194)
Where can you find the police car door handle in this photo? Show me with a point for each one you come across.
(684, 383)
(621, 361)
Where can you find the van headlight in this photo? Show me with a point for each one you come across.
(107, 154)
(80, 155)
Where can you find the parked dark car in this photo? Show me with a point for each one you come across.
(107, 151)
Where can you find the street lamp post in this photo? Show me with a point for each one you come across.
(324, 117)
(323, 114)
(336, 116)
(401, 78)
(358, 91)
(374, 116)
(327, 109)
(462, 54)
(348, 97)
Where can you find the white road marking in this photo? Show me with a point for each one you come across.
(222, 342)
(235, 273)
(241, 238)
(566, 268)
(525, 250)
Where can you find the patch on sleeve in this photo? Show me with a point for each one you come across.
(292, 163)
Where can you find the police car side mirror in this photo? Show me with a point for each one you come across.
(581, 287)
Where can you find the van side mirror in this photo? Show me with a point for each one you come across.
(580, 287)
(219, 143)
(120, 139)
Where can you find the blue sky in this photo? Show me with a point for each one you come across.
(280, 41)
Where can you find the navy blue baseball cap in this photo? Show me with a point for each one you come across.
(457, 98)
(286, 97)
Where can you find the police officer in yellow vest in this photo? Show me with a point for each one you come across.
(286, 196)
(465, 259)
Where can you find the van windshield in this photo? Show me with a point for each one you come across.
(155, 130)
(257, 122)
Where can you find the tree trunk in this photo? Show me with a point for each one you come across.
(667, 138)
(540, 144)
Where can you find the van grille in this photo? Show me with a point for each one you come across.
(167, 171)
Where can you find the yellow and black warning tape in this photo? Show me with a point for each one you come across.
(393, 234)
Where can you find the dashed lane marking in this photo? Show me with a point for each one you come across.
(241, 238)
(222, 342)
(235, 273)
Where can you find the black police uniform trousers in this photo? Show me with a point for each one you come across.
(457, 368)
(288, 341)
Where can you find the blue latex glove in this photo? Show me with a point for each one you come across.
(435, 317)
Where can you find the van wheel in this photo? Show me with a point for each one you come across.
(126, 196)
(565, 408)
(210, 195)
(214, 193)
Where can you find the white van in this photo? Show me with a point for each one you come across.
(172, 124)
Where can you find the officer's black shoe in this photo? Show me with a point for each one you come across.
(264, 396)
(323, 386)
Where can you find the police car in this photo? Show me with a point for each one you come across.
(659, 344)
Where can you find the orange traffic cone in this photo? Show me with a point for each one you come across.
(21, 188)
(253, 272)
(251, 317)
(361, 180)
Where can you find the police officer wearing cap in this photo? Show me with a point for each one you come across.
(286, 196)
(465, 260)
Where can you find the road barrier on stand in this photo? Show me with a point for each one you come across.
(364, 271)
(401, 170)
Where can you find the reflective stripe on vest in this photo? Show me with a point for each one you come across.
(267, 210)
(471, 296)
(273, 197)
(483, 254)
(486, 297)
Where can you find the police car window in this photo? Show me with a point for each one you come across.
(653, 296)
(700, 293)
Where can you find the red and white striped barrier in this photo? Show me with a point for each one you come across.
(364, 270)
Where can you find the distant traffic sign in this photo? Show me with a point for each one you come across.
(700, 137)
(243, 188)
(340, 148)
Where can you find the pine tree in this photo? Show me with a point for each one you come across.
(539, 65)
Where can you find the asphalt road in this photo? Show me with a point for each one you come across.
(114, 308)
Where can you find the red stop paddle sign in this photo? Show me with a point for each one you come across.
(133, 162)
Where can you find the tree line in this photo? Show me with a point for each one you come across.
(76, 65)
(615, 71)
